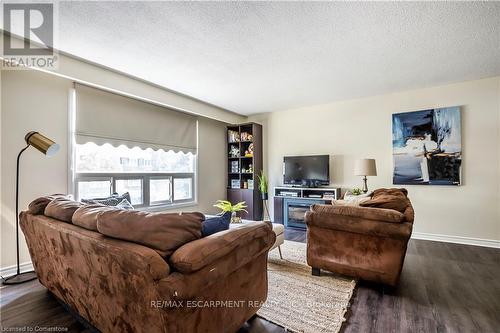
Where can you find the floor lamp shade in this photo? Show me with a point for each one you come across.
(49, 148)
(42, 143)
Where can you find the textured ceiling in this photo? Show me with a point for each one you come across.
(252, 57)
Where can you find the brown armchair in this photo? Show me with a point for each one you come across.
(362, 242)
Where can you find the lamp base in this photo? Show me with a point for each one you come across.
(365, 185)
(19, 278)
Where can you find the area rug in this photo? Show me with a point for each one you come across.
(300, 302)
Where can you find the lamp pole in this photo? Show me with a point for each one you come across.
(25, 276)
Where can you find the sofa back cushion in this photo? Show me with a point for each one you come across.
(37, 206)
(86, 215)
(163, 232)
(62, 209)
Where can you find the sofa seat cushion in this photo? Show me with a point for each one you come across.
(163, 232)
(62, 209)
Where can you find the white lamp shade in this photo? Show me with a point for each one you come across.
(365, 167)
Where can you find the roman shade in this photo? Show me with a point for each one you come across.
(104, 117)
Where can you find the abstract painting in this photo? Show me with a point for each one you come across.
(427, 147)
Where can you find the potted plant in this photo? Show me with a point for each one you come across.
(263, 185)
(356, 191)
(227, 206)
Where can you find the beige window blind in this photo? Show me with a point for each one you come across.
(103, 117)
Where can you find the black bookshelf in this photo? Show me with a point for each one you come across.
(244, 163)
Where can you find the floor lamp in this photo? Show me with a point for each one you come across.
(49, 148)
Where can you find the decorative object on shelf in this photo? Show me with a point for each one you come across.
(226, 206)
(365, 167)
(263, 188)
(250, 184)
(245, 184)
(232, 136)
(235, 183)
(245, 136)
(427, 147)
(249, 151)
(234, 152)
(249, 170)
(49, 148)
(234, 166)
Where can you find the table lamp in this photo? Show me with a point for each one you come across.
(365, 167)
(49, 148)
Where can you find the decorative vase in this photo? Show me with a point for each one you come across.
(235, 218)
(264, 195)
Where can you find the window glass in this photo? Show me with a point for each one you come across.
(94, 189)
(183, 188)
(159, 190)
(133, 186)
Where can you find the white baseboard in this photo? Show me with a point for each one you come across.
(457, 239)
(11, 270)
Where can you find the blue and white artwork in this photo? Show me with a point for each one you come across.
(427, 147)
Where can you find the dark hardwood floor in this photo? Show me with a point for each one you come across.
(444, 288)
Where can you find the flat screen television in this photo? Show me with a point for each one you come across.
(308, 171)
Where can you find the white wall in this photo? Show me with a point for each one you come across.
(32, 100)
(362, 128)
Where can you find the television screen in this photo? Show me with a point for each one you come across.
(306, 170)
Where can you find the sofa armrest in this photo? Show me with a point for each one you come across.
(201, 263)
(197, 254)
(359, 225)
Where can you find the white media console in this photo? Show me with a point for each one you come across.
(291, 203)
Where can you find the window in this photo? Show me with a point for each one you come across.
(152, 177)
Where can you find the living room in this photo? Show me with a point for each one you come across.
(361, 141)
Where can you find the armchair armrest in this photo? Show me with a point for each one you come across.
(369, 221)
(195, 255)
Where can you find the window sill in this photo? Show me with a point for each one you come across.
(161, 208)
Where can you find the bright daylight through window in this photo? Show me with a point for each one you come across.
(152, 177)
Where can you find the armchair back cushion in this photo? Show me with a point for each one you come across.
(395, 199)
(378, 214)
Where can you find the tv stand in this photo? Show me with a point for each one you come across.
(291, 203)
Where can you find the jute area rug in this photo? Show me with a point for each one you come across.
(300, 302)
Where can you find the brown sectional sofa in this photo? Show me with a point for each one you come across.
(211, 284)
(364, 242)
